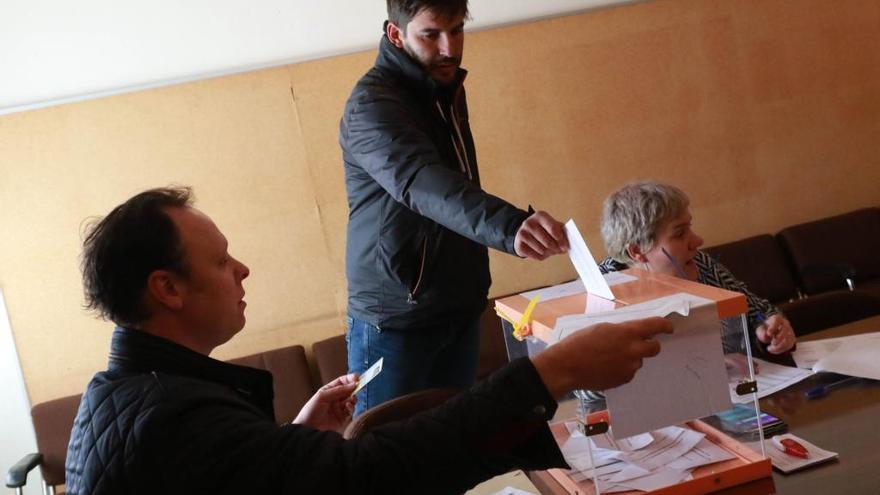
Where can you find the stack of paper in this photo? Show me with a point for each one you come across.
(855, 355)
(771, 378)
(645, 462)
(787, 463)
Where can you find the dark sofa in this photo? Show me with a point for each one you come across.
(820, 274)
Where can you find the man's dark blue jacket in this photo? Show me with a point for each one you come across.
(164, 419)
(419, 223)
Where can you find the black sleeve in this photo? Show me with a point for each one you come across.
(227, 447)
(384, 139)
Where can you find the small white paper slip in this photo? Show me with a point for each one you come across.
(585, 264)
(788, 463)
(372, 372)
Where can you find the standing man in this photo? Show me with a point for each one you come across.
(419, 223)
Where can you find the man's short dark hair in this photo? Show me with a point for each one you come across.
(122, 249)
(400, 12)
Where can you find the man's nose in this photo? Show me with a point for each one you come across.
(243, 270)
(444, 45)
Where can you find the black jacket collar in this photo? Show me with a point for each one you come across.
(135, 351)
(395, 60)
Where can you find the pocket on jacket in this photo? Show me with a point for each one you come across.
(403, 253)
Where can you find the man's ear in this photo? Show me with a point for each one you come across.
(394, 33)
(164, 287)
(635, 253)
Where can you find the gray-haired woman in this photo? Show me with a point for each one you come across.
(648, 225)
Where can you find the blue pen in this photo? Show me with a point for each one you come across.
(822, 390)
(678, 267)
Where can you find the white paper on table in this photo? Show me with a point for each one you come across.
(853, 358)
(585, 264)
(676, 303)
(669, 444)
(771, 378)
(809, 353)
(705, 452)
(787, 463)
(687, 380)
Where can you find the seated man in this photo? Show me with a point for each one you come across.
(648, 225)
(166, 418)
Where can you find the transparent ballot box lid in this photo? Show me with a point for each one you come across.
(686, 416)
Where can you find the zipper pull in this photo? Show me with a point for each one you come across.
(410, 300)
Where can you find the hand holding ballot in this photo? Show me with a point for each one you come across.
(331, 406)
(540, 236)
(599, 357)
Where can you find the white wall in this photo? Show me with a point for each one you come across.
(55, 51)
(15, 419)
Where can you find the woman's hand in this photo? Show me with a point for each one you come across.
(331, 406)
(777, 333)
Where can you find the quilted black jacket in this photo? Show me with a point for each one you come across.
(419, 223)
(164, 419)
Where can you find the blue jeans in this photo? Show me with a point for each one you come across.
(443, 355)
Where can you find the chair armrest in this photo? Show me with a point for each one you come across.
(17, 475)
(846, 272)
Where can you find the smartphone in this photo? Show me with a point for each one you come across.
(741, 419)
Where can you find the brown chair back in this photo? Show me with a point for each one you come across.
(53, 421)
(761, 263)
(851, 240)
(291, 377)
(331, 358)
(398, 409)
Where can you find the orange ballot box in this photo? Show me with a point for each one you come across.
(682, 424)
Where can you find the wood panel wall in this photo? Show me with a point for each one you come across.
(766, 111)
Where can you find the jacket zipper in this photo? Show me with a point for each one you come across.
(412, 294)
(458, 146)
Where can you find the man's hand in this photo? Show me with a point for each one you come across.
(599, 357)
(540, 236)
(331, 406)
(777, 333)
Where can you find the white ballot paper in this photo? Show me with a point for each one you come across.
(687, 380)
(585, 264)
(771, 378)
(372, 372)
(853, 358)
(787, 463)
(649, 461)
(855, 355)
